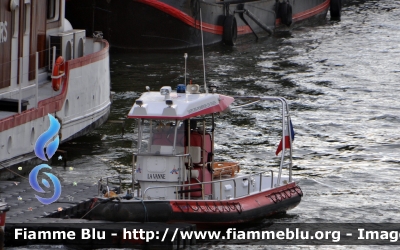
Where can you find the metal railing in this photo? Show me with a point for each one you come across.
(183, 186)
(100, 182)
(21, 78)
(285, 125)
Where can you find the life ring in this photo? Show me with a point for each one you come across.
(335, 9)
(285, 13)
(230, 31)
(58, 73)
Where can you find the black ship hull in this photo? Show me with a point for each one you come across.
(171, 24)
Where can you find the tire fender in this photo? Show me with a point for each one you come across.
(335, 9)
(229, 34)
(285, 12)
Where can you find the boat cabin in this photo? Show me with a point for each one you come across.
(175, 143)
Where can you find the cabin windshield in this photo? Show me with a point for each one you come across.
(161, 137)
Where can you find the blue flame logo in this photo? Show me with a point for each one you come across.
(50, 151)
(45, 137)
(35, 185)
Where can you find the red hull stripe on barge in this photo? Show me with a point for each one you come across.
(210, 28)
(55, 103)
(309, 13)
(218, 30)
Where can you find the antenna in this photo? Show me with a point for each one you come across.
(202, 48)
(185, 56)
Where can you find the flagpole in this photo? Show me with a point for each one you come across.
(290, 132)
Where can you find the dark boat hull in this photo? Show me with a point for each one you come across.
(200, 212)
(171, 24)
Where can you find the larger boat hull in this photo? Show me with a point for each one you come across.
(167, 24)
(82, 105)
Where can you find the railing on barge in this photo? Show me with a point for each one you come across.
(285, 122)
(182, 187)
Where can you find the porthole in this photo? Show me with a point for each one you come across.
(33, 136)
(9, 144)
(66, 108)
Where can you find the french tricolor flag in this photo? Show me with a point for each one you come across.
(287, 138)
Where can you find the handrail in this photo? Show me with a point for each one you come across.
(285, 122)
(15, 62)
(106, 178)
(215, 181)
(164, 155)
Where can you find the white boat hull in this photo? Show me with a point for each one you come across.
(85, 104)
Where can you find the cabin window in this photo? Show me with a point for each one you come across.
(14, 23)
(157, 137)
(27, 17)
(52, 10)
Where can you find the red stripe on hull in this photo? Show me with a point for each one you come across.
(309, 13)
(241, 205)
(312, 12)
(218, 30)
(204, 213)
(55, 103)
(210, 28)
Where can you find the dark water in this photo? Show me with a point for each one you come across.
(342, 81)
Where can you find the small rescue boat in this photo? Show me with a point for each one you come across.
(174, 175)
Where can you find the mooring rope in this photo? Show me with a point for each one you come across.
(90, 209)
(146, 216)
(14, 172)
